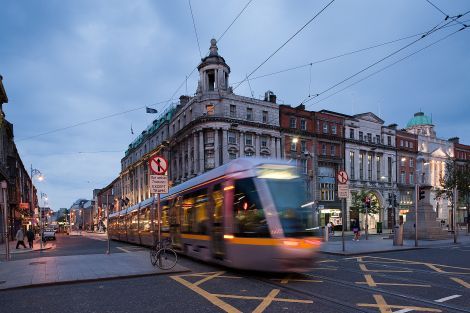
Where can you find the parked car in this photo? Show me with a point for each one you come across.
(48, 234)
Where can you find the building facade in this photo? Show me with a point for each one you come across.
(407, 152)
(370, 161)
(14, 174)
(433, 153)
(462, 161)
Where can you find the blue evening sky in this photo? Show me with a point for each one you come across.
(68, 62)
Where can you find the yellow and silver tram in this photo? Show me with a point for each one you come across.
(247, 214)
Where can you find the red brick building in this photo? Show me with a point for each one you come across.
(407, 152)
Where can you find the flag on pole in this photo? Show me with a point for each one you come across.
(132, 131)
(150, 110)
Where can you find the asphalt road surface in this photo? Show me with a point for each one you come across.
(428, 280)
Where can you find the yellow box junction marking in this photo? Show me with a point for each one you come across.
(214, 298)
(363, 268)
(372, 283)
(435, 267)
(387, 308)
(461, 282)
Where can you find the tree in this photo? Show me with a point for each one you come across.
(359, 199)
(456, 175)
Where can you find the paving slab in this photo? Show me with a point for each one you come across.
(76, 268)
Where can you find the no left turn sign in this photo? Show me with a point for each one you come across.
(158, 165)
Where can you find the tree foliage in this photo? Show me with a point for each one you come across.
(456, 175)
(358, 202)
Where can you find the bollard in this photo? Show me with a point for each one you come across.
(325, 233)
(398, 235)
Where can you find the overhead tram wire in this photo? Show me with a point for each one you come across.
(454, 18)
(340, 55)
(285, 43)
(90, 121)
(131, 110)
(240, 13)
(195, 31)
(390, 65)
(433, 30)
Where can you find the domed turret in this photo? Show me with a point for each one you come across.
(213, 71)
(421, 124)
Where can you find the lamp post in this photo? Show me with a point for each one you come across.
(44, 199)
(35, 172)
(4, 186)
(419, 158)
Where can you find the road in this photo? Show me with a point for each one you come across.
(428, 280)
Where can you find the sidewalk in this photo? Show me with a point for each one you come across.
(36, 247)
(77, 268)
(377, 243)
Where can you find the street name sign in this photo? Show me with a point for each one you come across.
(158, 165)
(158, 184)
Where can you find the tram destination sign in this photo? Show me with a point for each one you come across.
(158, 184)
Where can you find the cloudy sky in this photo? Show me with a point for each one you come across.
(65, 63)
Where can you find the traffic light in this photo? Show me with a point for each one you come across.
(421, 193)
(395, 204)
(367, 202)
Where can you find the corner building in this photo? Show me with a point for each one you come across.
(216, 125)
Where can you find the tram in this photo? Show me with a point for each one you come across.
(247, 214)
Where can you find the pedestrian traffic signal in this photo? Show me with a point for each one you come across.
(421, 193)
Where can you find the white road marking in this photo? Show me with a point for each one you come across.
(439, 300)
(122, 249)
(448, 298)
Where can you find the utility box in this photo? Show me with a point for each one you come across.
(379, 227)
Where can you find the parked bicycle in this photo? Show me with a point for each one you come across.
(162, 255)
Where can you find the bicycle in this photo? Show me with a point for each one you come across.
(162, 255)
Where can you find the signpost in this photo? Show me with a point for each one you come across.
(343, 192)
(158, 184)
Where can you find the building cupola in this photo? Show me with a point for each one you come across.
(213, 72)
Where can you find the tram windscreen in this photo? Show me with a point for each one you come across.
(289, 195)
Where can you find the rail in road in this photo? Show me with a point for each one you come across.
(359, 284)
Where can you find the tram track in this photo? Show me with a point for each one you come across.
(345, 307)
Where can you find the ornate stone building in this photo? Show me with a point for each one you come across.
(216, 125)
(202, 132)
(433, 152)
(370, 159)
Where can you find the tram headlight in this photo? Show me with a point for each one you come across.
(290, 243)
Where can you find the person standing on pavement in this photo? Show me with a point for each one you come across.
(357, 231)
(20, 238)
(30, 236)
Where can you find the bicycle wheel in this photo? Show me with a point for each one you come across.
(153, 256)
(166, 258)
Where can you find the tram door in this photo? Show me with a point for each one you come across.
(175, 223)
(217, 217)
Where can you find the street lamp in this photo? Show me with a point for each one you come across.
(44, 201)
(35, 172)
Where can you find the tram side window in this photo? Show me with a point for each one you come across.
(165, 216)
(218, 198)
(134, 222)
(249, 216)
(195, 207)
(144, 219)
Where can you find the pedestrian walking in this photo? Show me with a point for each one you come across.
(356, 230)
(20, 238)
(30, 235)
(329, 226)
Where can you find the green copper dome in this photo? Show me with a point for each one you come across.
(419, 119)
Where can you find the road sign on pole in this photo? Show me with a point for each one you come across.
(342, 177)
(158, 165)
(343, 191)
(158, 184)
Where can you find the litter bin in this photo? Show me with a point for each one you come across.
(379, 227)
(326, 235)
(398, 235)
